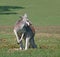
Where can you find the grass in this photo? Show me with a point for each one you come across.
(48, 45)
(40, 12)
(45, 16)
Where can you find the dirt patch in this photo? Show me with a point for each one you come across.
(48, 47)
(39, 29)
(47, 35)
(48, 29)
(5, 27)
(3, 40)
(13, 49)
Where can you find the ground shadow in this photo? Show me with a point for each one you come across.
(9, 9)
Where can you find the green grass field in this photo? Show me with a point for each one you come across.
(45, 16)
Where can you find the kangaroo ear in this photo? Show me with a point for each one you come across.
(25, 15)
